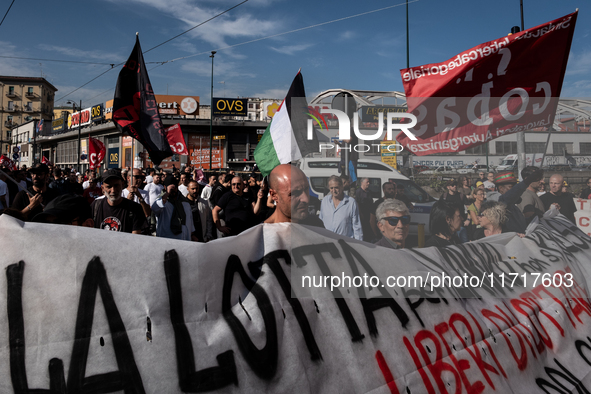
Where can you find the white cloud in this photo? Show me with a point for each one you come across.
(579, 63)
(16, 67)
(105, 57)
(347, 35)
(291, 49)
(217, 31)
(222, 70)
(272, 93)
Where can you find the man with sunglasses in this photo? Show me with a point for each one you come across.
(394, 222)
(481, 178)
(134, 193)
(239, 208)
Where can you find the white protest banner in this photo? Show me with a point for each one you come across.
(583, 215)
(79, 305)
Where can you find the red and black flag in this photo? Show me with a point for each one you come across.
(135, 111)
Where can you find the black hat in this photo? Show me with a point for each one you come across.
(65, 208)
(39, 168)
(112, 173)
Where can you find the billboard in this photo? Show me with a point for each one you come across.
(371, 113)
(199, 151)
(97, 113)
(167, 105)
(229, 107)
(58, 125)
(113, 158)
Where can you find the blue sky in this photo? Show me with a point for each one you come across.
(364, 52)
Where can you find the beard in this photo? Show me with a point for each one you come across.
(112, 197)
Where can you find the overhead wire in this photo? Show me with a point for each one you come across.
(161, 63)
(170, 39)
(1, 22)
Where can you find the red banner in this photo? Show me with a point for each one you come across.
(6, 162)
(500, 87)
(176, 140)
(97, 153)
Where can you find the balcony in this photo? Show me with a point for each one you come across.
(31, 95)
(9, 123)
(12, 108)
(29, 108)
(11, 94)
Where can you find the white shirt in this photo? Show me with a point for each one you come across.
(206, 192)
(145, 195)
(184, 190)
(3, 192)
(154, 191)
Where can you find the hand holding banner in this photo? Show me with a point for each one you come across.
(174, 135)
(97, 152)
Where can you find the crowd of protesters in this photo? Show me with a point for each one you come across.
(195, 206)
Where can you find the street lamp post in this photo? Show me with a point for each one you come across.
(79, 128)
(211, 115)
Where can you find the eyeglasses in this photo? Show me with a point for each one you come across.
(393, 220)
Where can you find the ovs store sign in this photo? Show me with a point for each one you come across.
(229, 107)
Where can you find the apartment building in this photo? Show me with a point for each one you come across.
(23, 99)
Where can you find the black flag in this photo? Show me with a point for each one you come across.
(135, 111)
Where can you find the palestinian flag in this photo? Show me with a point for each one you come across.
(285, 139)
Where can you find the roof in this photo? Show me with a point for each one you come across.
(4, 78)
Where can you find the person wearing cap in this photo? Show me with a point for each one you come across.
(530, 196)
(460, 200)
(509, 193)
(490, 188)
(481, 178)
(67, 209)
(564, 201)
(32, 203)
(115, 213)
(136, 194)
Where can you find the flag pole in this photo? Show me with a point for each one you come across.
(16, 183)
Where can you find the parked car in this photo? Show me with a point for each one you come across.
(419, 169)
(472, 169)
(441, 170)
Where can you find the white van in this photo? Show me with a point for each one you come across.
(319, 170)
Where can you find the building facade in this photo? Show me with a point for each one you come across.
(23, 99)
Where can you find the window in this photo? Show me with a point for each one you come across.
(11, 105)
(585, 148)
(28, 118)
(113, 140)
(535, 147)
(560, 147)
(30, 90)
(477, 150)
(506, 147)
(11, 90)
(29, 106)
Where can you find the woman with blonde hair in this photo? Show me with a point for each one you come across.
(492, 216)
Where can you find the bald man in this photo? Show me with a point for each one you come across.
(566, 204)
(290, 190)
